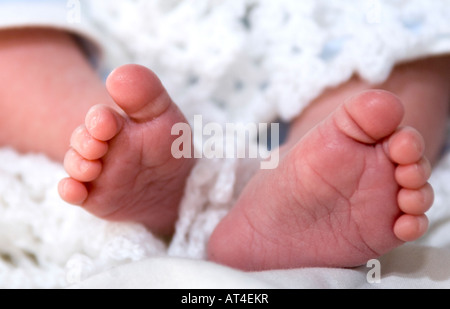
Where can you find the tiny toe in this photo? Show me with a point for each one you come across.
(87, 146)
(410, 228)
(72, 191)
(370, 116)
(406, 146)
(103, 123)
(416, 202)
(81, 169)
(413, 176)
(139, 92)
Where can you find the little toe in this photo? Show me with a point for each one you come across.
(87, 146)
(81, 169)
(409, 228)
(370, 116)
(72, 191)
(406, 146)
(103, 123)
(139, 92)
(413, 176)
(416, 202)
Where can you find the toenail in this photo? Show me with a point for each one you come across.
(84, 166)
(75, 135)
(93, 122)
(418, 147)
(62, 187)
(87, 142)
(79, 130)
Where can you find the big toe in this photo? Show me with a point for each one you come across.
(139, 92)
(370, 116)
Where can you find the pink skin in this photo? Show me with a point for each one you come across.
(61, 86)
(345, 193)
(120, 162)
(342, 194)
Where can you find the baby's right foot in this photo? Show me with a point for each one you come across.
(120, 165)
(352, 189)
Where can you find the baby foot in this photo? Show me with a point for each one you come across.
(120, 162)
(351, 190)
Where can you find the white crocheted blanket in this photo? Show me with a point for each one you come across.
(45, 243)
(230, 61)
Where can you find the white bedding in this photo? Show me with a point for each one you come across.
(409, 267)
(45, 243)
(422, 264)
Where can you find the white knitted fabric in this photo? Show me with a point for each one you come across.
(230, 61)
(45, 243)
(254, 60)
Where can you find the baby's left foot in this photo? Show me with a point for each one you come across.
(351, 190)
(120, 163)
